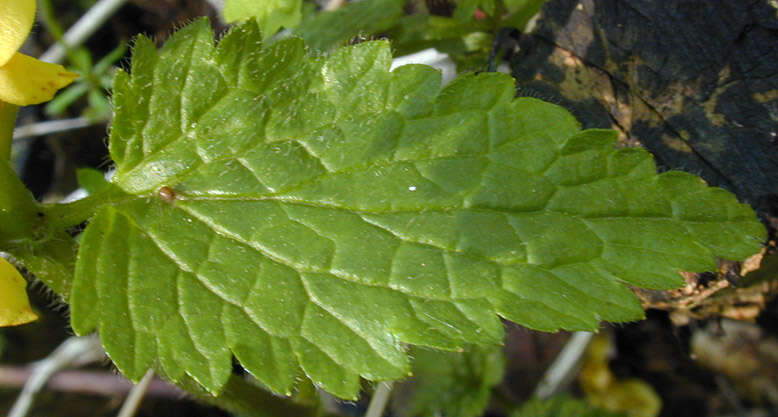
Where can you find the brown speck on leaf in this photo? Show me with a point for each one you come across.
(166, 194)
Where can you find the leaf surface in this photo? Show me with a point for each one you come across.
(318, 214)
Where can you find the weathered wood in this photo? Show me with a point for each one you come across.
(694, 81)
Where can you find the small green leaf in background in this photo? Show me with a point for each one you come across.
(271, 14)
(469, 36)
(561, 406)
(521, 11)
(319, 214)
(326, 30)
(92, 180)
(95, 79)
(468, 42)
(453, 384)
(466, 8)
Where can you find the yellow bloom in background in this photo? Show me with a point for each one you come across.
(14, 306)
(25, 80)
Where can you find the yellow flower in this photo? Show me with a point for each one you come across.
(25, 80)
(14, 307)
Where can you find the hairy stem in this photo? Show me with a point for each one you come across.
(65, 215)
(7, 120)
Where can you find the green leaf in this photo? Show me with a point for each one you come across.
(92, 180)
(18, 207)
(467, 42)
(49, 253)
(466, 8)
(454, 384)
(561, 406)
(319, 214)
(52, 260)
(271, 14)
(326, 30)
(521, 11)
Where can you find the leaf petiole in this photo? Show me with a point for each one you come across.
(67, 215)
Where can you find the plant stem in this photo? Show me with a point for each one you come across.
(75, 350)
(562, 370)
(379, 400)
(64, 215)
(95, 383)
(52, 126)
(132, 403)
(7, 120)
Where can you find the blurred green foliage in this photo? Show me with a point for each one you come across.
(96, 78)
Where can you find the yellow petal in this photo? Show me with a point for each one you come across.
(25, 80)
(16, 18)
(14, 305)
